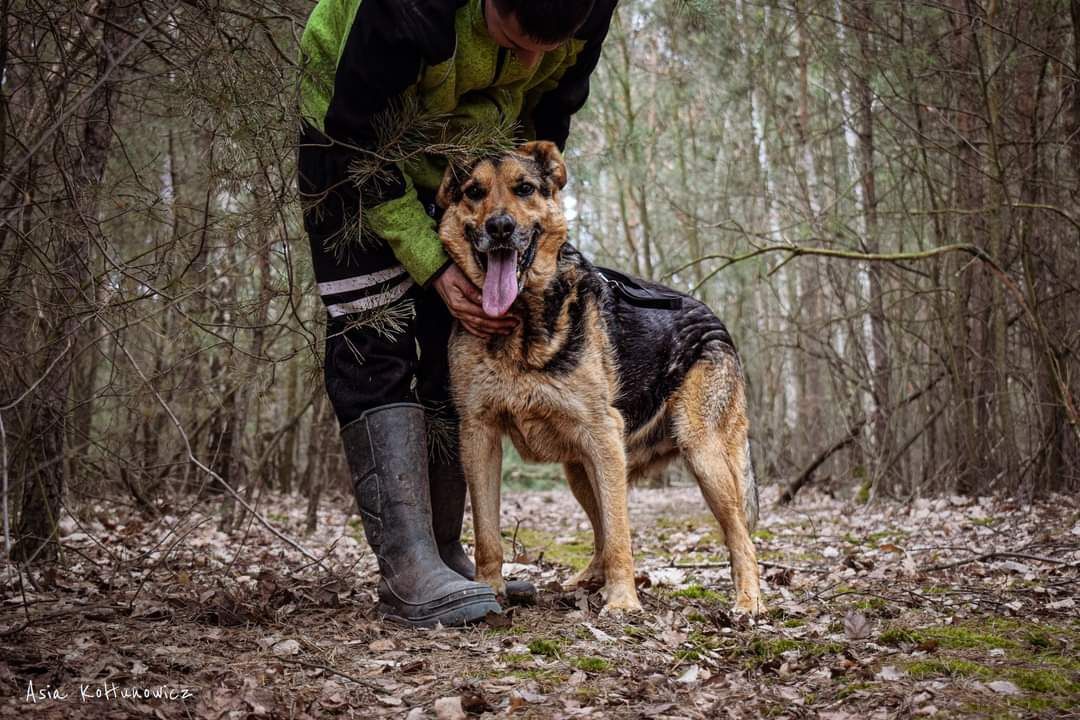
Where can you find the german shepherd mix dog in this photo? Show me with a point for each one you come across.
(590, 378)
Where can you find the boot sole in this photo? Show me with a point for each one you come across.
(464, 611)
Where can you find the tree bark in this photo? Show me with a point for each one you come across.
(69, 239)
(880, 364)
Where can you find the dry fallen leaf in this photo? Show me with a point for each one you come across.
(449, 708)
(672, 638)
(889, 673)
(690, 676)
(286, 647)
(473, 701)
(598, 633)
(856, 626)
(1004, 687)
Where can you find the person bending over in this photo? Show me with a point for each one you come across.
(391, 292)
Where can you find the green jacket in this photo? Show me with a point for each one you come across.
(359, 58)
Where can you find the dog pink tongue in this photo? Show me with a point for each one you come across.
(500, 283)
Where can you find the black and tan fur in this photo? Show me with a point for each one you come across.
(607, 388)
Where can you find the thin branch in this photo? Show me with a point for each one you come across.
(794, 251)
(992, 555)
(221, 481)
(78, 102)
(334, 671)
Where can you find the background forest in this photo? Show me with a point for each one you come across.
(882, 200)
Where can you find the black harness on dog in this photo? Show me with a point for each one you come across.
(634, 293)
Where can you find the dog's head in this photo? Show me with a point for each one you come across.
(503, 224)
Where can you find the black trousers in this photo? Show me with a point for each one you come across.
(386, 337)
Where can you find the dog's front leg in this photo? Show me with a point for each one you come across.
(481, 459)
(606, 465)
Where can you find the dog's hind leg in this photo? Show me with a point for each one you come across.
(714, 470)
(481, 459)
(710, 428)
(578, 479)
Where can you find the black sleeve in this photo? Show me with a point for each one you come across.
(388, 45)
(551, 116)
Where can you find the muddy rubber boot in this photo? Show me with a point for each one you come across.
(387, 453)
(447, 512)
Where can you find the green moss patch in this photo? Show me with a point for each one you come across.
(542, 646)
(898, 636)
(874, 604)
(546, 677)
(592, 664)
(517, 658)
(697, 592)
(767, 650)
(948, 667)
(1045, 680)
(960, 637)
(575, 554)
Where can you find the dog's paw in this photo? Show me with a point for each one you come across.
(620, 599)
(747, 605)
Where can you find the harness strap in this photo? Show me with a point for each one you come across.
(633, 293)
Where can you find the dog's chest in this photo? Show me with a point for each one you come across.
(542, 414)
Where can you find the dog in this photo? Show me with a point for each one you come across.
(609, 386)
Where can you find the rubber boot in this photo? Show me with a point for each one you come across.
(387, 453)
(448, 510)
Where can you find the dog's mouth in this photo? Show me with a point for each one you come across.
(503, 268)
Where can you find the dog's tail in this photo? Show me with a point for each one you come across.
(749, 489)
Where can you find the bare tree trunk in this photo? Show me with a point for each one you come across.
(247, 383)
(880, 365)
(1074, 136)
(972, 345)
(317, 461)
(70, 233)
(809, 273)
(286, 467)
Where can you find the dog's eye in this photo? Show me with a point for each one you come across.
(524, 189)
(475, 192)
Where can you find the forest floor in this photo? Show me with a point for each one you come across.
(950, 607)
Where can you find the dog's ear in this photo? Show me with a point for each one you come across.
(547, 156)
(450, 188)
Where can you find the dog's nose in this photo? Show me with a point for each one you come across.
(500, 227)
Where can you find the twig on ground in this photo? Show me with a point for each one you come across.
(763, 563)
(866, 593)
(992, 555)
(84, 609)
(334, 671)
(514, 541)
(164, 556)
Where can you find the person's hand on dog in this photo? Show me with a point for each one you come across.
(463, 300)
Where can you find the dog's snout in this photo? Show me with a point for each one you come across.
(500, 227)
